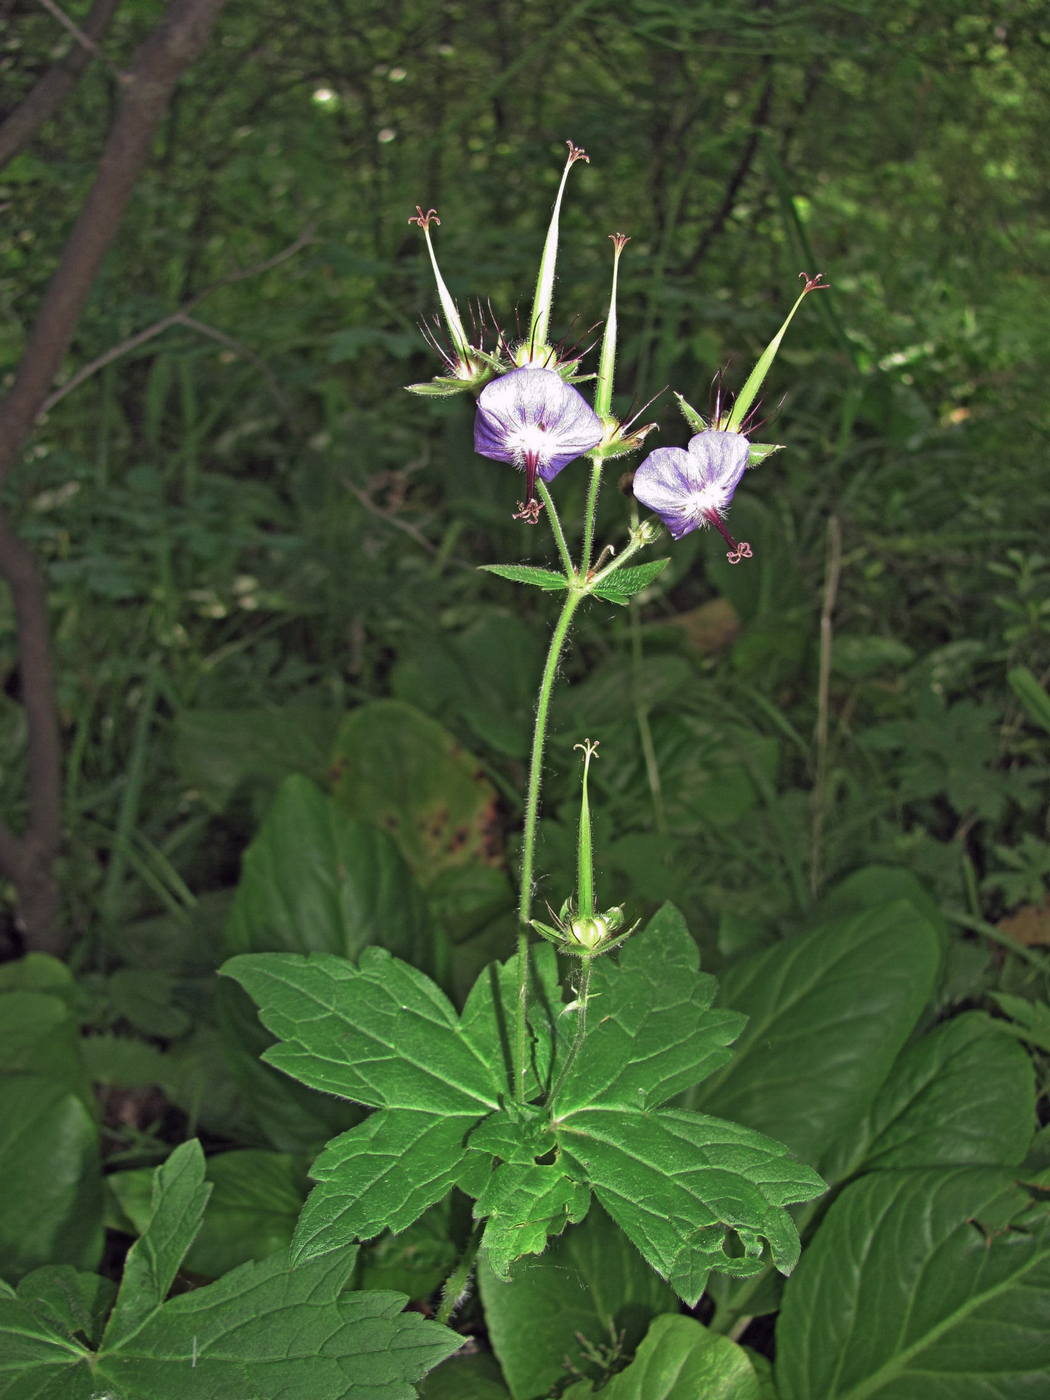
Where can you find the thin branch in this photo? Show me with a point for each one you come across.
(832, 574)
(156, 68)
(82, 37)
(180, 317)
(747, 158)
(46, 96)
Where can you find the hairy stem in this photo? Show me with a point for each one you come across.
(528, 846)
(589, 515)
(583, 992)
(454, 1286)
(556, 529)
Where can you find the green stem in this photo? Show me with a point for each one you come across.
(589, 514)
(583, 992)
(452, 1290)
(573, 598)
(556, 530)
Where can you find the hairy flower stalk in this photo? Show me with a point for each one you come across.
(461, 363)
(535, 421)
(692, 487)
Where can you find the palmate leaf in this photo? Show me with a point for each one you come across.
(680, 1185)
(692, 1192)
(384, 1035)
(264, 1329)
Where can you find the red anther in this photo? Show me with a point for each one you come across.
(529, 511)
(424, 220)
(814, 284)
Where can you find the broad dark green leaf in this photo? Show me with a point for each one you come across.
(317, 880)
(51, 1204)
(465, 1378)
(827, 1014)
(216, 751)
(398, 769)
(381, 1034)
(590, 1288)
(919, 1284)
(680, 1360)
(528, 573)
(314, 879)
(962, 1095)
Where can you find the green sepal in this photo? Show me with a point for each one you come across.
(759, 451)
(625, 583)
(528, 573)
(696, 421)
(441, 388)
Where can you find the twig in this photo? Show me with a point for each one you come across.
(180, 318)
(156, 68)
(46, 96)
(832, 573)
(390, 517)
(82, 37)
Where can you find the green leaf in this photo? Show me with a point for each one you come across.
(631, 579)
(523, 1205)
(465, 1378)
(398, 769)
(415, 1261)
(589, 1289)
(264, 1329)
(528, 573)
(760, 451)
(67, 1301)
(681, 1185)
(652, 1030)
(217, 751)
(961, 1095)
(314, 879)
(380, 1176)
(438, 388)
(1029, 1020)
(255, 1203)
(1031, 694)
(381, 1034)
(317, 880)
(177, 1206)
(51, 1205)
(917, 1284)
(680, 1360)
(827, 1015)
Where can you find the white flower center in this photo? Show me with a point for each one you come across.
(530, 440)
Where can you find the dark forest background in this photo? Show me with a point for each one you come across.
(242, 528)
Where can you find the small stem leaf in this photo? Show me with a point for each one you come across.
(618, 587)
(528, 573)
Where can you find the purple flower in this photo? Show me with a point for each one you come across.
(534, 420)
(688, 488)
